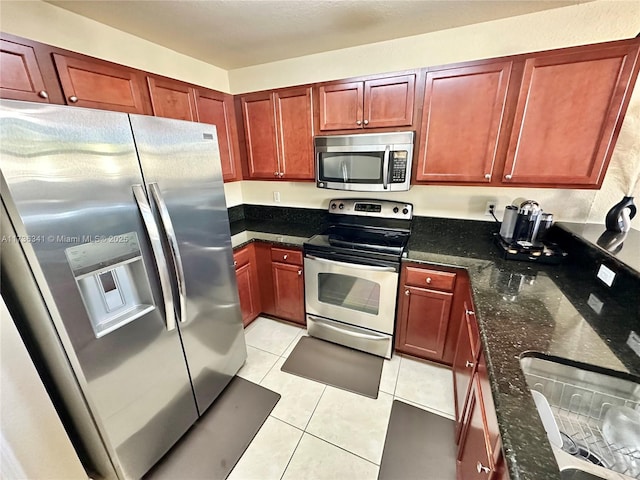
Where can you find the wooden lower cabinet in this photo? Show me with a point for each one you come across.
(248, 284)
(475, 456)
(424, 308)
(288, 291)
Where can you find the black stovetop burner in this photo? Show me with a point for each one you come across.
(383, 234)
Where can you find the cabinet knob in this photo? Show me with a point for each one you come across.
(481, 468)
(73, 99)
(407, 292)
(429, 280)
(366, 122)
(235, 263)
(508, 177)
(275, 174)
(299, 272)
(284, 257)
(358, 122)
(468, 364)
(281, 174)
(469, 312)
(43, 94)
(487, 176)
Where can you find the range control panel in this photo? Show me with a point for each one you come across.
(371, 208)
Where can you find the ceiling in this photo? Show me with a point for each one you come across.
(238, 33)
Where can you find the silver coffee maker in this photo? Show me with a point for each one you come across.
(523, 227)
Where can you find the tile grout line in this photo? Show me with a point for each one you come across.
(395, 385)
(342, 448)
(315, 408)
(292, 453)
(265, 351)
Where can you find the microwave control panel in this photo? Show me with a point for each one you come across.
(398, 166)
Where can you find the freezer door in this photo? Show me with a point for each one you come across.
(67, 177)
(181, 168)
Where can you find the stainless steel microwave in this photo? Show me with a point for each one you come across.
(369, 162)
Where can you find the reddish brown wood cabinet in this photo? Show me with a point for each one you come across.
(424, 307)
(172, 99)
(375, 103)
(570, 108)
(217, 109)
(96, 84)
(279, 134)
(288, 284)
(244, 261)
(20, 76)
(464, 366)
(462, 120)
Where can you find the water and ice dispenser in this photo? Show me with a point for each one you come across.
(112, 280)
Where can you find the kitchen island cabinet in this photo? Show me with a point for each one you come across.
(373, 103)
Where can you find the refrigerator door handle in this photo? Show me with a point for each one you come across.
(156, 247)
(165, 218)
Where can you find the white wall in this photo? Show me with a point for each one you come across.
(52, 25)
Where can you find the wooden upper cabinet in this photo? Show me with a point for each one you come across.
(462, 120)
(341, 106)
(172, 99)
(20, 77)
(568, 115)
(98, 84)
(376, 103)
(279, 134)
(295, 133)
(217, 109)
(260, 134)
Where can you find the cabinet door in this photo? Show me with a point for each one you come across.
(464, 364)
(568, 114)
(288, 289)
(260, 133)
(388, 102)
(475, 460)
(462, 119)
(295, 133)
(172, 99)
(21, 78)
(101, 85)
(423, 322)
(249, 295)
(217, 109)
(341, 106)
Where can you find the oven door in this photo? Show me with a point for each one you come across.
(352, 293)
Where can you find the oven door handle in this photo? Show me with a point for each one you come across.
(350, 332)
(385, 167)
(352, 265)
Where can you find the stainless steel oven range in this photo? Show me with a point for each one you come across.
(351, 273)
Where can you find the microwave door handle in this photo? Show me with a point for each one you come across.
(156, 248)
(351, 265)
(345, 175)
(385, 168)
(167, 224)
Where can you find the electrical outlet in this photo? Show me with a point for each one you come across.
(491, 207)
(276, 197)
(606, 275)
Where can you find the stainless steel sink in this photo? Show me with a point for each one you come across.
(579, 396)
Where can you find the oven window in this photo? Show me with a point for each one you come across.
(357, 167)
(349, 292)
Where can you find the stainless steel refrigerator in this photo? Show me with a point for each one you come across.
(116, 256)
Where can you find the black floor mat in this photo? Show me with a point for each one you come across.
(419, 445)
(335, 365)
(212, 447)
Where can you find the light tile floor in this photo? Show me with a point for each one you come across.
(320, 432)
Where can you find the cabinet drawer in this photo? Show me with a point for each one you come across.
(424, 277)
(283, 255)
(241, 257)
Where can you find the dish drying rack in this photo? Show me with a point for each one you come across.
(579, 413)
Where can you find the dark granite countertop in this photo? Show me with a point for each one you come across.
(521, 307)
